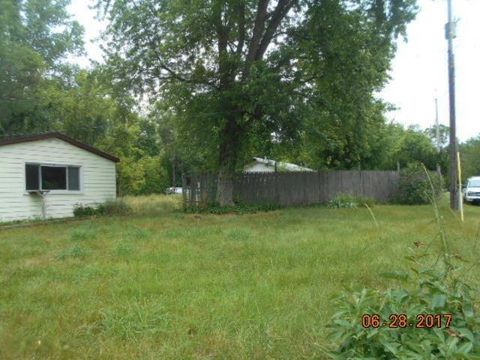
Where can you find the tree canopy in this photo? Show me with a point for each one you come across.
(470, 156)
(241, 74)
(225, 80)
(35, 38)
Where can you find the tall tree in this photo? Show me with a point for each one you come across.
(443, 134)
(35, 38)
(470, 155)
(233, 69)
(403, 146)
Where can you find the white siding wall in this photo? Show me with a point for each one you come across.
(258, 167)
(97, 179)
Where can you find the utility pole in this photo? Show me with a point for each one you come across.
(450, 35)
(437, 133)
(437, 127)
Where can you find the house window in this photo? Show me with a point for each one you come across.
(32, 177)
(54, 178)
(73, 178)
(49, 177)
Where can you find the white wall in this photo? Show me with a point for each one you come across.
(258, 167)
(97, 179)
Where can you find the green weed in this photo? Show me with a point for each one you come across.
(238, 234)
(82, 233)
(124, 249)
(73, 252)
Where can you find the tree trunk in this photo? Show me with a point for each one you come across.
(225, 188)
(174, 172)
(229, 151)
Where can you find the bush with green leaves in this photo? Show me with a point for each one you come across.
(417, 186)
(81, 210)
(434, 293)
(108, 208)
(142, 176)
(347, 201)
(433, 286)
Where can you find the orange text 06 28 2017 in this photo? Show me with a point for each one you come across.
(395, 321)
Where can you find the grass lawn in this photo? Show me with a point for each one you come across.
(161, 284)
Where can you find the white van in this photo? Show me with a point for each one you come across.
(471, 191)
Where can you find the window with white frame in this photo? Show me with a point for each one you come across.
(52, 177)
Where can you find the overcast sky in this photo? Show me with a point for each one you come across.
(419, 71)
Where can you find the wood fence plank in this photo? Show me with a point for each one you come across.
(290, 189)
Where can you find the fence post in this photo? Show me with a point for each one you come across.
(277, 190)
(184, 192)
(306, 182)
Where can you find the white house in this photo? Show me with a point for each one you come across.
(46, 176)
(267, 165)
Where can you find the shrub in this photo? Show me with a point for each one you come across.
(435, 293)
(147, 175)
(111, 207)
(415, 186)
(347, 201)
(81, 210)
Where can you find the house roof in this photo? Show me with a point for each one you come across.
(60, 136)
(280, 164)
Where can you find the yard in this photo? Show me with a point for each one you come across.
(161, 284)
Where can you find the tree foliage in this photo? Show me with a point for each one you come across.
(293, 80)
(35, 38)
(418, 187)
(399, 146)
(238, 74)
(470, 156)
(41, 91)
(414, 146)
(443, 138)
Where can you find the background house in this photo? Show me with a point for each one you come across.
(267, 165)
(46, 176)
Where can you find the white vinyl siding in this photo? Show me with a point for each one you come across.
(97, 179)
(258, 167)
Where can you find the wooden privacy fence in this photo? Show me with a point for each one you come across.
(293, 188)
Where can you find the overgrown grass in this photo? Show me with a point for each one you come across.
(161, 284)
(154, 204)
(238, 209)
